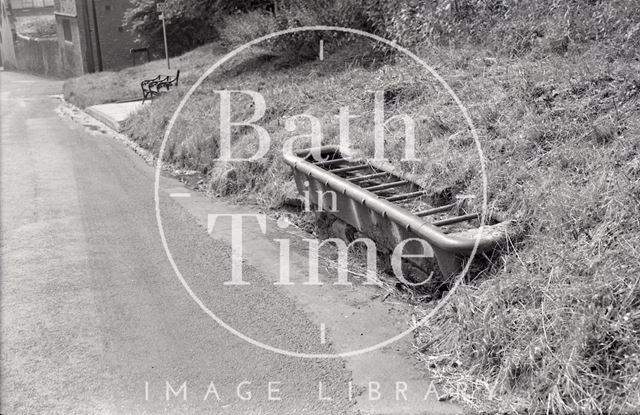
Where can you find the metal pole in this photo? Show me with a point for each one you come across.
(166, 48)
(97, 35)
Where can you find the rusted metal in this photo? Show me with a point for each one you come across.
(330, 162)
(406, 196)
(368, 177)
(456, 219)
(433, 211)
(387, 222)
(386, 186)
(350, 168)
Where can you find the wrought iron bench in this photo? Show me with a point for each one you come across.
(152, 87)
(389, 207)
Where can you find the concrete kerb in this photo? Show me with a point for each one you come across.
(114, 114)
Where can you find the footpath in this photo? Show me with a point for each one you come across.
(114, 114)
(386, 380)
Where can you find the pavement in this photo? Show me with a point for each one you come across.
(94, 319)
(114, 114)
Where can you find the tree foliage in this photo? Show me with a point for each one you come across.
(189, 23)
(513, 26)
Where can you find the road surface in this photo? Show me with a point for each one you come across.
(93, 317)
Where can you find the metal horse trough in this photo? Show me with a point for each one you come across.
(389, 207)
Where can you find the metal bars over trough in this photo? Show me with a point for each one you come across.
(390, 208)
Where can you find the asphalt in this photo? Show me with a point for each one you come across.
(93, 317)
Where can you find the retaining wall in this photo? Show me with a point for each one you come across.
(39, 55)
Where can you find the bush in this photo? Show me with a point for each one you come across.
(185, 30)
(189, 23)
(513, 27)
(342, 13)
(240, 28)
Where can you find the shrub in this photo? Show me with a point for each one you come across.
(184, 31)
(513, 27)
(189, 23)
(239, 28)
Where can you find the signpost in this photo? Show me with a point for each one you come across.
(162, 9)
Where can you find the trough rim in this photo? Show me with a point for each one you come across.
(397, 214)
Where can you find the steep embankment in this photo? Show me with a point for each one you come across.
(552, 322)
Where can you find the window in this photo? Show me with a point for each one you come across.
(66, 29)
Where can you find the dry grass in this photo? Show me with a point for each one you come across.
(105, 87)
(553, 323)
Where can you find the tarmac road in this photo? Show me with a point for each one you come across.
(93, 317)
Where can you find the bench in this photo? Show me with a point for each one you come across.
(152, 87)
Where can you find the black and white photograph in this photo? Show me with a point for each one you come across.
(320, 207)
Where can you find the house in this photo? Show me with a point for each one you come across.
(7, 35)
(19, 5)
(91, 35)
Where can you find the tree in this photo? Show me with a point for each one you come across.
(190, 23)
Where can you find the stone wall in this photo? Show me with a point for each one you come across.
(40, 56)
(84, 44)
(71, 50)
(7, 33)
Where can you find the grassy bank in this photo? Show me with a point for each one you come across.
(553, 323)
(106, 87)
